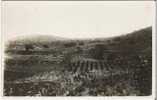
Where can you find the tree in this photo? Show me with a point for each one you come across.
(70, 44)
(28, 47)
(45, 46)
(98, 51)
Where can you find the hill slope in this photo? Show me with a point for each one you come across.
(140, 40)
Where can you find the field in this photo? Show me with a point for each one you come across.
(114, 66)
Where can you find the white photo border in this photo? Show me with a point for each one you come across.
(154, 63)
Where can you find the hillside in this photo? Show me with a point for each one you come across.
(140, 40)
(106, 67)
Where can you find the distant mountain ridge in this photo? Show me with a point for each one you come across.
(36, 38)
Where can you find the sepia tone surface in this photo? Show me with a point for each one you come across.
(44, 65)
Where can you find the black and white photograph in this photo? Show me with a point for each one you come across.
(78, 48)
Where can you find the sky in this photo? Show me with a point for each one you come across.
(76, 19)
